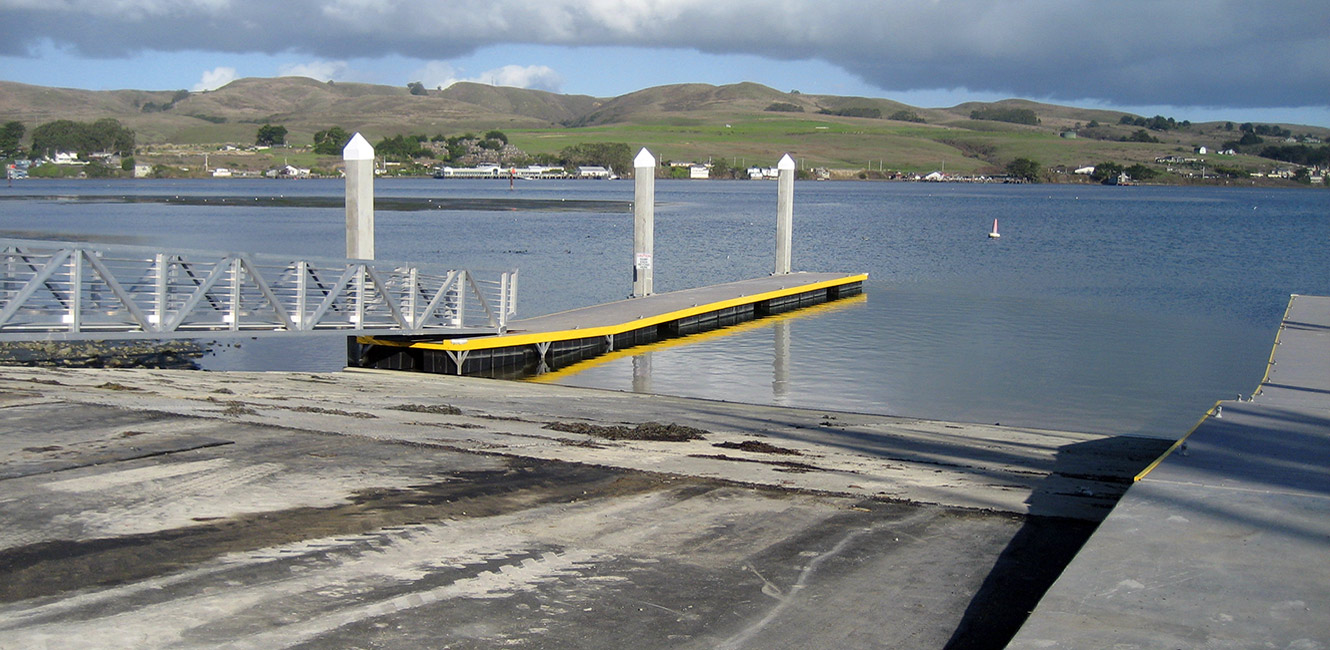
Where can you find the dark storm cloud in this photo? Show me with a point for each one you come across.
(1202, 53)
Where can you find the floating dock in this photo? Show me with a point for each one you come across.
(544, 343)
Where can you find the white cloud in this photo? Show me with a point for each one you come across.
(436, 74)
(1130, 52)
(320, 70)
(215, 78)
(441, 74)
(538, 77)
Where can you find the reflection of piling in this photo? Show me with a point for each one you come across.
(780, 378)
(644, 216)
(359, 157)
(642, 373)
(784, 213)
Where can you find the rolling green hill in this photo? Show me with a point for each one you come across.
(742, 124)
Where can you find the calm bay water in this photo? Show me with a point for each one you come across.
(1116, 310)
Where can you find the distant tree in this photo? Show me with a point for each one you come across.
(330, 142)
(417, 88)
(401, 148)
(127, 163)
(108, 135)
(1250, 138)
(1025, 169)
(1303, 175)
(906, 116)
(98, 169)
(1141, 172)
(614, 155)
(1094, 124)
(783, 107)
(105, 135)
(1106, 172)
(1228, 126)
(854, 111)
(720, 168)
(496, 135)
(1000, 114)
(1299, 154)
(270, 135)
(11, 134)
(1141, 135)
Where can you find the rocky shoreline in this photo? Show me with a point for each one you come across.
(173, 355)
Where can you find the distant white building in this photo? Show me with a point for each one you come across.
(480, 171)
(935, 177)
(1201, 150)
(699, 172)
(594, 172)
(221, 172)
(1084, 171)
(763, 173)
(287, 171)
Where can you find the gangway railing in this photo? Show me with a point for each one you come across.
(76, 290)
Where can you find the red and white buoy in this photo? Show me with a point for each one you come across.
(994, 234)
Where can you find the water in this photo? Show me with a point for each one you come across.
(1115, 310)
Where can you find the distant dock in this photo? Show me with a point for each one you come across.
(544, 343)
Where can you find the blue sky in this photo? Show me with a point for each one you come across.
(1202, 60)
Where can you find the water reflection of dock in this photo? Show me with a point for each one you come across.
(554, 341)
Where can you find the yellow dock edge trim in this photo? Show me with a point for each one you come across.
(1181, 441)
(1279, 334)
(515, 340)
(1269, 365)
(664, 344)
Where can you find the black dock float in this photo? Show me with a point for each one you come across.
(536, 345)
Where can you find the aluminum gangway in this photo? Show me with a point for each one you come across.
(77, 290)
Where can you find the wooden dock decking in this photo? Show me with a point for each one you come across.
(543, 343)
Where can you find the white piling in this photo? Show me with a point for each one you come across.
(784, 213)
(359, 157)
(644, 218)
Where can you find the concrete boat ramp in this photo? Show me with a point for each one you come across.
(152, 508)
(363, 509)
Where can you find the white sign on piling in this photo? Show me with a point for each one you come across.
(644, 218)
(359, 157)
(784, 213)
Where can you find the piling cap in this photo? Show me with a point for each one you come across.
(786, 162)
(358, 149)
(644, 159)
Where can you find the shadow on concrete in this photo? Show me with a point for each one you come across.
(1043, 547)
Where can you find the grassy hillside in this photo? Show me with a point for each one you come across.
(742, 124)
